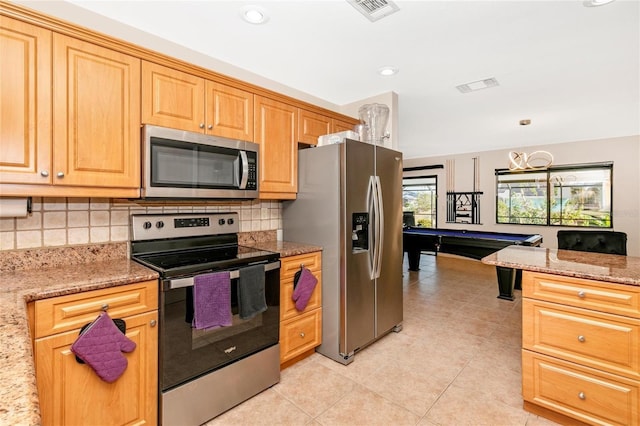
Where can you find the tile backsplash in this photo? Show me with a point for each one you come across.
(71, 221)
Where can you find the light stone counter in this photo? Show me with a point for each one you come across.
(594, 266)
(85, 268)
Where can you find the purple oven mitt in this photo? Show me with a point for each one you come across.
(101, 345)
(304, 289)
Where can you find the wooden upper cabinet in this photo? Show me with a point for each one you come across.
(276, 133)
(312, 125)
(179, 100)
(342, 126)
(96, 99)
(25, 103)
(229, 111)
(172, 98)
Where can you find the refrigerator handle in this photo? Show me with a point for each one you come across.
(379, 226)
(371, 207)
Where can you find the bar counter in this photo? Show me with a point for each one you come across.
(594, 266)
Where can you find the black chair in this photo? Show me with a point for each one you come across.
(593, 241)
(408, 219)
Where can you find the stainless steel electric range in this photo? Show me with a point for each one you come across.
(204, 372)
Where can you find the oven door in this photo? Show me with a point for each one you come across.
(187, 353)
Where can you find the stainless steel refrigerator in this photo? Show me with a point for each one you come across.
(349, 202)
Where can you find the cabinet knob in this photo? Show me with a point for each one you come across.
(60, 174)
(44, 173)
(581, 294)
(581, 338)
(302, 334)
(210, 126)
(104, 306)
(201, 125)
(152, 323)
(581, 395)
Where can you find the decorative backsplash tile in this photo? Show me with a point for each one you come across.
(74, 221)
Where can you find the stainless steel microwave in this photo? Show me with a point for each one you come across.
(181, 164)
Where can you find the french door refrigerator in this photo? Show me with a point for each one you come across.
(349, 202)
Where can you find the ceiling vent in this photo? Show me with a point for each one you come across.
(374, 9)
(477, 85)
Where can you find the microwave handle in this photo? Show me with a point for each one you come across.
(245, 170)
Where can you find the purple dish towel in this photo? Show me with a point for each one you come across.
(101, 345)
(304, 289)
(211, 300)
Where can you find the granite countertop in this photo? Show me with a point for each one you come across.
(18, 394)
(594, 266)
(284, 248)
(28, 275)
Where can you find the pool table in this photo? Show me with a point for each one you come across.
(473, 244)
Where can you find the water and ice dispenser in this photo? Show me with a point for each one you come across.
(360, 232)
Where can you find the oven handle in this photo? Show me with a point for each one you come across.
(188, 282)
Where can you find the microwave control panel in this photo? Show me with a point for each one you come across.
(252, 179)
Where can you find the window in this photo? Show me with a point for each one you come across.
(419, 195)
(578, 195)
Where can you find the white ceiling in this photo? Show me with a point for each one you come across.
(573, 70)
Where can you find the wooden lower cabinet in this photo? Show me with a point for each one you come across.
(71, 393)
(580, 356)
(300, 331)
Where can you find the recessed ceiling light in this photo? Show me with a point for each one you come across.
(525, 122)
(254, 15)
(387, 71)
(596, 3)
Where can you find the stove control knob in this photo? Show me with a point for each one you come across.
(160, 224)
(230, 221)
(220, 221)
(146, 225)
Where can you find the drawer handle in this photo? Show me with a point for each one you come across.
(581, 339)
(581, 294)
(152, 323)
(582, 396)
(104, 306)
(302, 335)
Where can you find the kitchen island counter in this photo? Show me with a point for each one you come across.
(570, 263)
(19, 396)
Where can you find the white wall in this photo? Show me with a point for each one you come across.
(624, 152)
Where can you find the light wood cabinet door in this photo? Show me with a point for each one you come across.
(172, 98)
(229, 112)
(342, 126)
(312, 125)
(96, 99)
(71, 393)
(589, 395)
(276, 133)
(25, 103)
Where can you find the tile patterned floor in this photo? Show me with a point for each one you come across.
(456, 362)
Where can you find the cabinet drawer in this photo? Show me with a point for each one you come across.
(291, 265)
(586, 394)
(606, 297)
(300, 334)
(591, 338)
(69, 312)
(287, 305)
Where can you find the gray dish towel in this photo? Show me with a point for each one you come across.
(251, 297)
(211, 300)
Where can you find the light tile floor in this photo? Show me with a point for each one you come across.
(456, 362)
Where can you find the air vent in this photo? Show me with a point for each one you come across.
(374, 9)
(477, 85)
